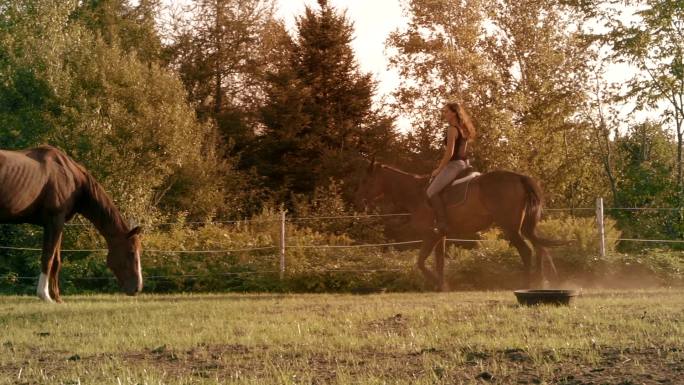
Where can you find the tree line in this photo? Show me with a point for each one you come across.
(215, 109)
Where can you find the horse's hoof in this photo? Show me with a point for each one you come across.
(46, 299)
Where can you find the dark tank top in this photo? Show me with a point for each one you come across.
(460, 146)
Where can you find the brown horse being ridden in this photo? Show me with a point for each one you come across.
(505, 199)
(45, 187)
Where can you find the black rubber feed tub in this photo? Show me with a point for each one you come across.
(545, 297)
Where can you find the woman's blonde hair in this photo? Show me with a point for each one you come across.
(463, 120)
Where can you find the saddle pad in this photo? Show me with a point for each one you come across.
(456, 193)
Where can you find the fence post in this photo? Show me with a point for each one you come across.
(282, 244)
(601, 228)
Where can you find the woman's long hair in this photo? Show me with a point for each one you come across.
(463, 120)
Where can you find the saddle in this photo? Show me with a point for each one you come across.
(457, 191)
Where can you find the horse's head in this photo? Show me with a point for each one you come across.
(124, 261)
(371, 187)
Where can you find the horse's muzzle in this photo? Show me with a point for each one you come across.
(132, 288)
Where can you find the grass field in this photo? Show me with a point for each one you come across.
(418, 338)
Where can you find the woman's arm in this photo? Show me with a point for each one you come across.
(452, 134)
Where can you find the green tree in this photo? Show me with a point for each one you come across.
(126, 120)
(131, 27)
(647, 155)
(652, 42)
(319, 117)
(644, 36)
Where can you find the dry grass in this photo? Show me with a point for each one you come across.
(605, 337)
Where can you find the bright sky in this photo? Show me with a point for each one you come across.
(373, 21)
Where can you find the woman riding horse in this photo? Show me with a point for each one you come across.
(453, 162)
(508, 200)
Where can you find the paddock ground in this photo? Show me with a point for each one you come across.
(605, 337)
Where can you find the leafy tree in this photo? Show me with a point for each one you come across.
(221, 51)
(647, 166)
(125, 25)
(124, 117)
(126, 120)
(26, 97)
(652, 42)
(647, 180)
(602, 119)
(519, 68)
(646, 35)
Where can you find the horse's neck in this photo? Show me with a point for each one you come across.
(405, 190)
(99, 209)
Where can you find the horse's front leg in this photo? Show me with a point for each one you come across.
(426, 248)
(440, 251)
(52, 236)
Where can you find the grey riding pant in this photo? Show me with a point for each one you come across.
(445, 177)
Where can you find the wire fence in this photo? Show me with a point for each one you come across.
(355, 217)
(283, 246)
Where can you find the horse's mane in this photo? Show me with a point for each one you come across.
(97, 205)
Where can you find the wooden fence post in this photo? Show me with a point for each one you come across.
(282, 244)
(601, 228)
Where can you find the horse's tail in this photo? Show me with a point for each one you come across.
(533, 211)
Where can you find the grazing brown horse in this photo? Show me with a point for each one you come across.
(45, 187)
(506, 199)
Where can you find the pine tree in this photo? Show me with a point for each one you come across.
(319, 117)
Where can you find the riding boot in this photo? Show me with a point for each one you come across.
(438, 207)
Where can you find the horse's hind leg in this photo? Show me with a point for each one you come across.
(525, 252)
(542, 254)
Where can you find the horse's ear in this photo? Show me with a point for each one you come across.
(136, 231)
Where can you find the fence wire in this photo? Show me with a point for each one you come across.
(11, 278)
(325, 246)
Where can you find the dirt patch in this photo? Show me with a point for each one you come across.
(652, 366)
(620, 367)
(397, 324)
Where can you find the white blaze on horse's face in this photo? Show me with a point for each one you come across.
(43, 290)
(124, 261)
(140, 278)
